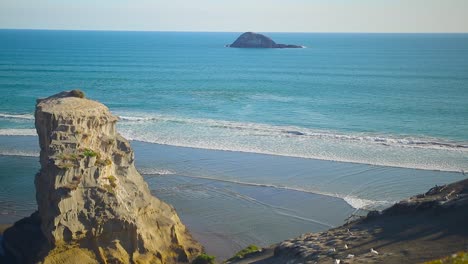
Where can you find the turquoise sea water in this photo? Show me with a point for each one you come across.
(392, 107)
(386, 99)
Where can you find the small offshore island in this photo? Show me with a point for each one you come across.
(255, 40)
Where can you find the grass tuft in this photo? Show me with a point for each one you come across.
(204, 259)
(112, 181)
(90, 153)
(248, 250)
(77, 93)
(458, 258)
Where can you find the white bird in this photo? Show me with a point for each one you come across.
(350, 256)
(337, 261)
(373, 251)
(331, 250)
(345, 246)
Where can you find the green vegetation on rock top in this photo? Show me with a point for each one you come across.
(77, 93)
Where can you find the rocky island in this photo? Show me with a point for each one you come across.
(255, 40)
(93, 205)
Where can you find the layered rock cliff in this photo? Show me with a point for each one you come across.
(93, 205)
(255, 40)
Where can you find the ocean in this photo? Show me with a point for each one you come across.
(277, 141)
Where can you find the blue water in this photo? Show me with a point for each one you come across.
(354, 121)
(386, 99)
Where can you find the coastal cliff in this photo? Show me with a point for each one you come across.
(93, 205)
(422, 228)
(255, 40)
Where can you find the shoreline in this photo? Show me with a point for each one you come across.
(425, 227)
(338, 160)
(207, 186)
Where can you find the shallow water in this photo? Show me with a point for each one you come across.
(232, 199)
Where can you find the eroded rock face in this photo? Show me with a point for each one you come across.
(93, 205)
(255, 40)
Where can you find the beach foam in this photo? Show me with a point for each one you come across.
(19, 153)
(291, 131)
(422, 152)
(155, 171)
(387, 150)
(366, 204)
(355, 202)
(18, 132)
(17, 116)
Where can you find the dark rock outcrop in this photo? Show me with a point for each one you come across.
(422, 228)
(255, 40)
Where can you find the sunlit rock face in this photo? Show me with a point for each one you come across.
(93, 205)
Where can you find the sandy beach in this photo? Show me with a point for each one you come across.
(232, 199)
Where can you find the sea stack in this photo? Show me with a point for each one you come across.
(93, 205)
(255, 40)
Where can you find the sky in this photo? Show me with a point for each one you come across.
(238, 15)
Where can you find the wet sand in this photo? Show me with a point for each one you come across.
(232, 199)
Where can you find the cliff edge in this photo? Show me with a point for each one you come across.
(422, 228)
(93, 205)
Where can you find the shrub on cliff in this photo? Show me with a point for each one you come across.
(90, 153)
(246, 251)
(457, 258)
(204, 259)
(77, 93)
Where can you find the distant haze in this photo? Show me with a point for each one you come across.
(239, 15)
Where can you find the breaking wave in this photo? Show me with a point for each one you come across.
(355, 202)
(417, 152)
(18, 132)
(20, 116)
(292, 131)
(19, 153)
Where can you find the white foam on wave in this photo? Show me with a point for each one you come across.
(366, 204)
(294, 131)
(355, 202)
(19, 153)
(18, 132)
(16, 116)
(154, 171)
(273, 97)
(383, 150)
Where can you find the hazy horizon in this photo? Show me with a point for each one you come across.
(318, 16)
(216, 31)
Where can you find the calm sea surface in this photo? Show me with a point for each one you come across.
(393, 107)
(387, 99)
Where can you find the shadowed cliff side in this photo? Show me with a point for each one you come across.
(425, 227)
(93, 205)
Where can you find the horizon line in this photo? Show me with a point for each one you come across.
(216, 31)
